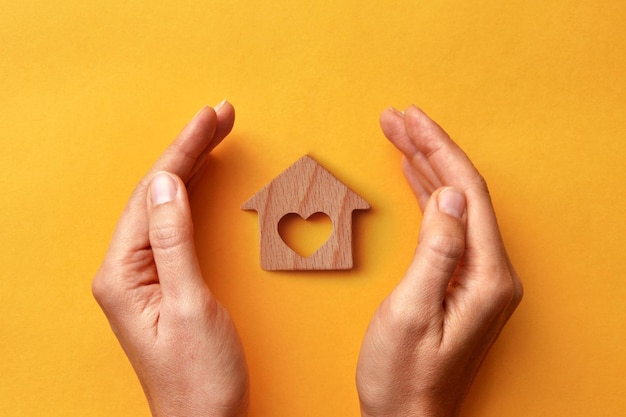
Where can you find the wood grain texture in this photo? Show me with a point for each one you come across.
(306, 188)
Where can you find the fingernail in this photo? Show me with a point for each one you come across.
(199, 111)
(451, 201)
(396, 111)
(220, 105)
(163, 188)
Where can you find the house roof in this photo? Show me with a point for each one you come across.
(305, 188)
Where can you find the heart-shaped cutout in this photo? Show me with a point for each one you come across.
(305, 236)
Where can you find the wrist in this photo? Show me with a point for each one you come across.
(422, 409)
(199, 407)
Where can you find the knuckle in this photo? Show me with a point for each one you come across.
(446, 246)
(505, 291)
(519, 290)
(431, 140)
(480, 187)
(202, 308)
(482, 183)
(98, 287)
(178, 147)
(504, 294)
(103, 290)
(169, 236)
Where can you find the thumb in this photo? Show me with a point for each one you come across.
(441, 246)
(171, 237)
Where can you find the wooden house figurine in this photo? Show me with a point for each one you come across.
(305, 188)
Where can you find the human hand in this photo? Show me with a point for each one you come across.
(180, 340)
(428, 338)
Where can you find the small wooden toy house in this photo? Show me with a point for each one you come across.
(305, 188)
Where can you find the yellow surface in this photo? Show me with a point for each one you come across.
(91, 92)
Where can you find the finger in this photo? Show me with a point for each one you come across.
(454, 168)
(172, 240)
(415, 181)
(180, 157)
(393, 125)
(225, 120)
(447, 160)
(441, 246)
(196, 178)
(131, 234)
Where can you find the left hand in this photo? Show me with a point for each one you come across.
(180, 340)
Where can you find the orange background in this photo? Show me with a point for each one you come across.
(92, 92)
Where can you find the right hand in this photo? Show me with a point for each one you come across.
(428, 338)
